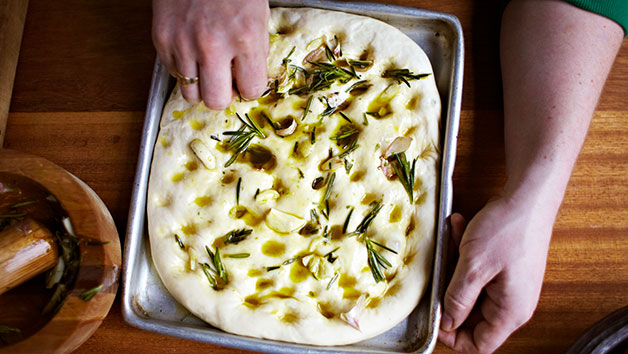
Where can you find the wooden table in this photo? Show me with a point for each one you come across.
(79, 98)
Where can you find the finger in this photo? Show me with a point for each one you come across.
(216, 82)
(462, 294)
(186, 66)
(486, 338)
(250, 74)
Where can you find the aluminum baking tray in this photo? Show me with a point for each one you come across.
(146, 303)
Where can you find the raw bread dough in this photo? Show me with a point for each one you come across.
(284, 285)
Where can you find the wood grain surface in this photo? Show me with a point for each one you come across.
(80, 91)
(12, 17)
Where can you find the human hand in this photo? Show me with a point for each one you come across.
(219, 41)
(497, 280)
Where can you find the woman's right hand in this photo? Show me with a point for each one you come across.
(222, 42)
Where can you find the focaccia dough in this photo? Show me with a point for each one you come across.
(284, 284)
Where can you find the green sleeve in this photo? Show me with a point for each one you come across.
(616, 10)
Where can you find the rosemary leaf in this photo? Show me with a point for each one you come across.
(238, 255)
(333, 280)
(21, 204)
(287, 60)
(11, 216)
(8, 329)
(179, 242)
(344, 116)
(291, 260)
(238, 190)
(346, 224)
(307, 108)
(358, 84)
(89, 294)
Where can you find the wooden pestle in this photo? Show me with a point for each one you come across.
(27, 249)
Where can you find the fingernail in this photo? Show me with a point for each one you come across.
(446, 323)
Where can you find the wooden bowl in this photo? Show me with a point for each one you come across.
(100, 264)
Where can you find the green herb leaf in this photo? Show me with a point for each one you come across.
(403, 75)
(238, 255)
(375, 260)
(404, 171)
(307, 109)
(287, 60)
(238, 190)
(8, 329)
(346, 223)
(216, 269)
(333, 280)
(362, 84)
(366, 221)
(21, 204)
(87, 295)
(179, 242)
(235, 236)
(241, 138)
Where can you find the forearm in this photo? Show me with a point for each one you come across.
(555, 59)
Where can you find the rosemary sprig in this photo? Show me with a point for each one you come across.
(313, 136)
(235, 236)
(89, 294)
(216, 269)
(238, 190)
(179, 242)
(325, 74)
(345, 133)
(366, 221)
(403, 75)
(241, 138)
(405, 172)
(375, 260)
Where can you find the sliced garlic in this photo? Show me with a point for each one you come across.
(282, 222)
(287, 127)
(203, 153)
(400, 144)
(266, 197)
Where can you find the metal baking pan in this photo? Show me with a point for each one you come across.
(146, 303)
